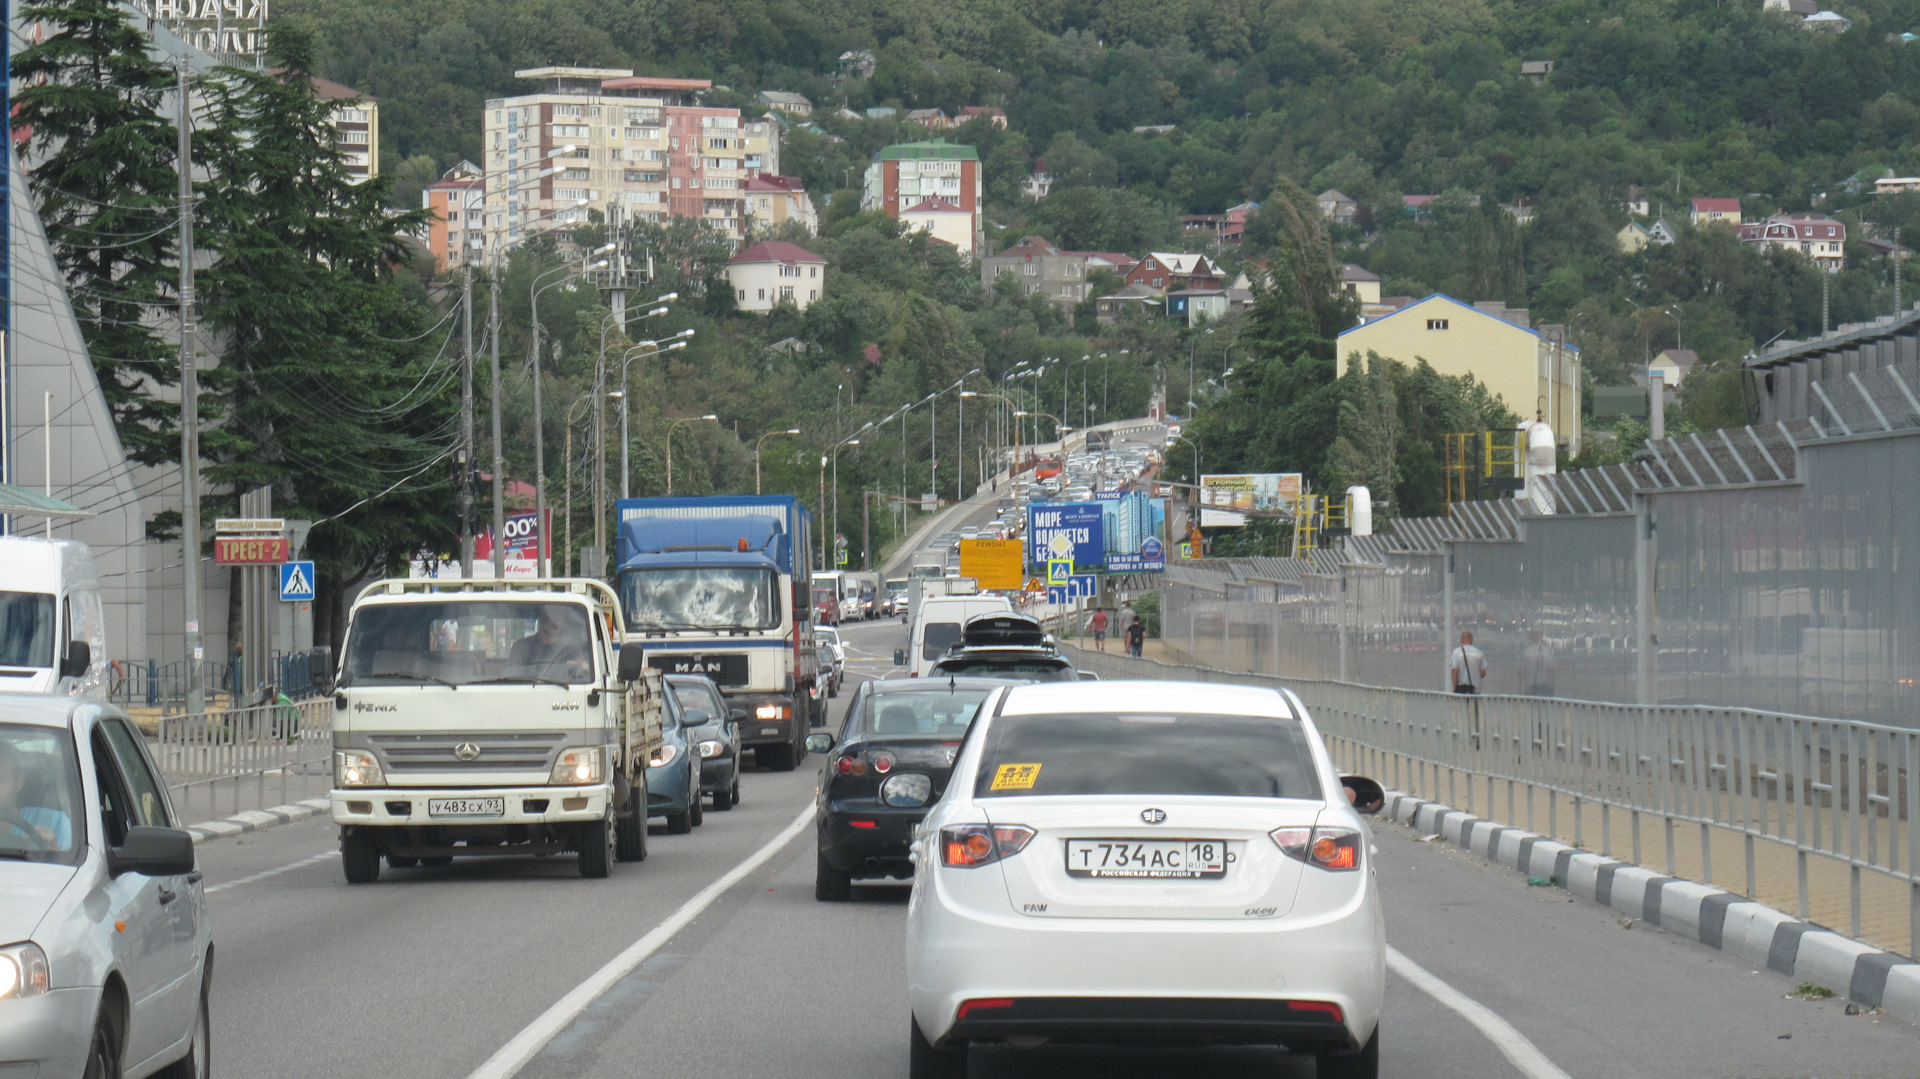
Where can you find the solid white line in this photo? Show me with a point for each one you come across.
(525, 1045)
(264, 874)
(1513, 1045)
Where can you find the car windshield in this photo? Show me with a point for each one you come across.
(461, 642)
(1147, 754)
(700, 597)
(939, 637)
(40, 819)
(26, 629)
(943, 714)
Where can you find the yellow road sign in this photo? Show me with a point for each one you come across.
(994, 563)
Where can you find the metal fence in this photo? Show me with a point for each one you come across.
(1838, 796)
(218, 763)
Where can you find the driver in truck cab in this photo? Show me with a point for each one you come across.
(550, 650)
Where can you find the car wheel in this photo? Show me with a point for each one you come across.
(359, 858)
(401, 861)
(696, 809)
(775, 758)
(197, 1064)
(630, 831)
(596, 849)
(679, 823)
(103, 1052)
(723, 799)
(440, 862)
(1362, 1065)
(925, 1061)
(830, 885)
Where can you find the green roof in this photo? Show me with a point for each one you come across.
(935, 149)
(34, 504)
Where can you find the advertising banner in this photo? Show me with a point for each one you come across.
(1225, 498)
(251, 550)
(994, 563)
(1112, 535)
(525, 541)
(1070, 531)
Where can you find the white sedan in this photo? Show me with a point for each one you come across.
(1119, 862)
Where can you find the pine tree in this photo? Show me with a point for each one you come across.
(101, 163)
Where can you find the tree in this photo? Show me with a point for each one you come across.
(104, 174)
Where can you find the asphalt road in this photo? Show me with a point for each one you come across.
(429, 972)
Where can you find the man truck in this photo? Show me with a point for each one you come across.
(719, 585)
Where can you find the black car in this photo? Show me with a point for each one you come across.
(889, 763)
(1005, 645)
(717, 741)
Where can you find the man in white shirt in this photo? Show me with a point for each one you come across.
(1467, 668)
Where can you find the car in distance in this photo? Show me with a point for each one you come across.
(889, 762)
(105, 950)
(716, 740)
(1146, 862)
(1004, 645)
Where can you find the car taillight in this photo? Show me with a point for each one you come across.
(967, 1008)
(883, 763)
(850, 766)
(972, 845)
(1328, 848)
(1324, 1007)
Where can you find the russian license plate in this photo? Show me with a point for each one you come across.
(466, 807)
(1159, 859)
(764, 731)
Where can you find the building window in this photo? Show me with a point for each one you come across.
(1156, 282)
(763, 295)
(569, 194)
(576, 174)
(743, 296)
(815, 273)
(567, 110)
(813, 294)
(1151, 266)
(1436, 324)
(570, 131)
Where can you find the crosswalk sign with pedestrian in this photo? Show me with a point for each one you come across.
(296, 581)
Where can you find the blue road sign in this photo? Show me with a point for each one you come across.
(296, 581)
(1078, 586)
(1059, 570)
(1057, 594)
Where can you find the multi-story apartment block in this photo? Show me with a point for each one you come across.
(632, 147)
(904, 178)
(454, 203)
(773, 200)
(760, 147)
(356, 123)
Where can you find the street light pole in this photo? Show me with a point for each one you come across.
(759, 442)
(670, 427)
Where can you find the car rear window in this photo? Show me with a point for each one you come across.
(939, 637)
(943, 714)
(1147, 754)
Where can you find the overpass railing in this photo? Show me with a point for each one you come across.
(1781, 784)
(218, 763)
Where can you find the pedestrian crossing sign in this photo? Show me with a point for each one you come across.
(1059, 570)
(296, 582)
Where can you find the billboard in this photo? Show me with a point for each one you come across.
(1110, 535)
(228, 30)
(1224, 499)
(994, 563)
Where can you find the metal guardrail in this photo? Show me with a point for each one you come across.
(1822, 788)
(218, 763)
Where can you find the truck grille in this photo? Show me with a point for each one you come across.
(727, 668)
(498, 751)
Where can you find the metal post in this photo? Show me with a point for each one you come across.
(499, 466)
(599, 454)
(542, 566)
(1643, 555)
(960, 454)
(464, 457)
(189, 417)
(866, 531)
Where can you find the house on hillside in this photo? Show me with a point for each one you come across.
(990, 113)
(1533, 370)
(1633, 236)
(1522, 209)
(1360, 283)
(927, 117)
(1831, 21)
(1671, 365)
(1336, 207)
(1419, 207)
(454, 202)
(1799, 9)
(904, 178)
(944, 220)
(856, 64)
(1228, 228)
(790, 103)
(1050, 271)
(1195, 305)
(1163, 272)
(772, 200)
(773, 270)
(1637, 205)
(881, 112)
(1707, 211)
(1106, 309)
(1537, 70)
(1039, 183)
(1662, 233)
(1817, 236)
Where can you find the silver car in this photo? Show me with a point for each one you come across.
(105, 950)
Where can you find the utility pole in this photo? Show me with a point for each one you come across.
(499, 466)
(866, 531)
(464, 457)
(1896, 271)
(189, 417)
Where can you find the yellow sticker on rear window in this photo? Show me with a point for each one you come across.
(1015, 777)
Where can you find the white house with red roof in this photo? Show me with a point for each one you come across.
(774, 270)
(945, 220)
(1706, 211)
(1817, 236)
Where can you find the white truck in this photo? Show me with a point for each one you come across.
(491, 718)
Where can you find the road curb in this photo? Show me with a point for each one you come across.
(258, 820)
(1717, 918)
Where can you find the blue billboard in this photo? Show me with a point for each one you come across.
(1109, 535)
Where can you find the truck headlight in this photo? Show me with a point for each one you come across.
(357, 768)
(584, 765)
(23, 971)
(772, 711)
(711, 748)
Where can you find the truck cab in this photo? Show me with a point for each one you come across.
(52, 626)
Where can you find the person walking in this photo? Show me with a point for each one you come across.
(1099, 624)
(1467, 668)
(1136, 638)
(1124, 621)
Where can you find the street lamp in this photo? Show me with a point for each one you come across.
(534, 289)
(759, 442)
(1678, 329)
(851, 440)
(709, 417)
(637, 352)
(566, 555)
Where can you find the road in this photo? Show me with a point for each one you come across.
(430, 972)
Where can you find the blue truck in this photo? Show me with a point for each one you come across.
(720, 586)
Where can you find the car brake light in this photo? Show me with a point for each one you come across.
(1326, 1006)
(1328, 848)
(850, 766)
(883, 763)
(968, 1007)
(863, 824)
(972, 845)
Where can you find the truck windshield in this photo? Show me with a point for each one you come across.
(462, 642)
(26, 629)
(700, 597)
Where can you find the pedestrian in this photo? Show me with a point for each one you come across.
(1099, 624)
(1136, 637)
(1536, 665)
(1467, 668)
(1124, 620)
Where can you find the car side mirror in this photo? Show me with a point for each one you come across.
(899, 657)
(152, 852)
(1366, 796)
(633, 662)
(819, 743)
(694, 717)
(738, 715)
(79, 658)
(1089, 676)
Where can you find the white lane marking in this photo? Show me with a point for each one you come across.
(1513, 1045)
(525, 1045)
(265, 873)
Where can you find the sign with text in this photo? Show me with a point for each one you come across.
(251, 550)
(1224, 499)
(1068, 531)
(226, 29)
(994, 563)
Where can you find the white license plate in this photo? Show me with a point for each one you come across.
(1158, 859)
(466, 807)
(769, 730)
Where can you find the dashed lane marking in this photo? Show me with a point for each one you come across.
(265, 873)
(1513, 1045)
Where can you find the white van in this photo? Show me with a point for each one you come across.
(937, 624)
(52, 627)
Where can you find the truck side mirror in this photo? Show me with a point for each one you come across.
(899, 657)
(79, 658)
(633, 662)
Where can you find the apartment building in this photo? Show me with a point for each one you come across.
(1817, 236)
(774, 200)
(356, 123)
(448, 200)
(773, 271)
(633, 147)
(903, 180)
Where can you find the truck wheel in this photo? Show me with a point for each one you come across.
(596, 849)
(630, 831)
(775, 758)
(830, 885)
(360, 858)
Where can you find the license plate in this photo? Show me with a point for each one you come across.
(1159, 859)
(769, 730)
(466, 807)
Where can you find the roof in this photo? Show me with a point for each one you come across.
(1049, 698)
(651, 82)
(938, 149)
(1182, 263)
(30, 503)
(981, 110)
(1029, 246)
(1535, 67)
(1418, 200)
(776, 251)
(934, 206)
(784, 97)
(573, 73)
(776, 183)
(1198, 292)
(1350, 272)
(1680, 357)
(1716, 206)
(1444, 298)
(328, 90)
(1331, 195)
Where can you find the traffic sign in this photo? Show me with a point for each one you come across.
(1077, 586)
(1059, 570)
(994, 563)
(258, 549)
(296, 581)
